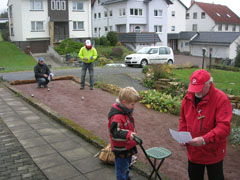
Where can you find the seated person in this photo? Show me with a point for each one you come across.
(42, 73)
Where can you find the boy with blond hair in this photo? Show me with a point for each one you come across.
(122, 129)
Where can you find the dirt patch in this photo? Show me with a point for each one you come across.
(65, 97)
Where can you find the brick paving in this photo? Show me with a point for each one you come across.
(15, 162)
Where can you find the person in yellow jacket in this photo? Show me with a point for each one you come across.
(88, 55)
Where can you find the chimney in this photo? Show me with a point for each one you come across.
(192, 2)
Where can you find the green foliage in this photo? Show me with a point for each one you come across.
(112, 36)
(149, 82)
(161, 71)
(69, 46)
(5, 34)
(117, 52)
(161, 102)
(235, 129)
(103, 61)
(4, 14)
(103, 41)
(13, 59)
(237, 59)
(145, 69)
(97, 41)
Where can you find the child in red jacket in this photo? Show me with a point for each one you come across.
(121, 127)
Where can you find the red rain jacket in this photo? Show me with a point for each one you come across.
(216, 109)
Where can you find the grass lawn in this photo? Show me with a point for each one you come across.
(1, 37)
(13, 59)
(227, 81)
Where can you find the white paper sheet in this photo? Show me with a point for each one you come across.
(181, 137)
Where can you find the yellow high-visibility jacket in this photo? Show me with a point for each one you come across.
(84, 53)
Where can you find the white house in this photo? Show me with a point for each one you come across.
(38, 23)
(211, 17)
(124, 16)
(177, 17)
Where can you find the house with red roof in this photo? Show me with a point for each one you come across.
(211, 17)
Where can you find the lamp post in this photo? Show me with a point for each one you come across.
(210, 58)
(203, 51)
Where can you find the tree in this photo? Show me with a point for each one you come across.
(112, 36)
(4, 14)
(237, 59)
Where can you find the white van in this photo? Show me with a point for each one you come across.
(151, 55)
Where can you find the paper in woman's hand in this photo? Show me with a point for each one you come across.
(181, 137)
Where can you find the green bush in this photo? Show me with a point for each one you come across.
(69, 46)
(103, 61)
(145, 69)
(237, 59)
(117, 52)
(161, 102)
(97, 41)
(161, 71)
(5, 34)
(112, 36)
(103, 41)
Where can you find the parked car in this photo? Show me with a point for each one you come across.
(151, 55)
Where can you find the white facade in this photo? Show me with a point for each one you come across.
(198, 20)
(143, 20)
(83, 15)
(183, 46)
(206, 24)
(176, 17)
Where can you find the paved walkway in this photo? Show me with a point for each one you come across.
(33, 146)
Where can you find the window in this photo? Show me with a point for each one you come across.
(106, 29)
(195, 15)
(137, 29)
(95, 30)
(172, 28)
(99, 15)
(105, 14)
(173, 13)
(77, 6)
(203, 15)
(135, 12)
(220, 27)
(157, 28)
(10, 11)
(163, 50)
(234, 28)
(186, 43)
(95, 16)
(228, 16)
(194, 27)
(58, 5)
(122, 12)
(36, 4)
(110, 13)
(226, 27)
(63, 5)
(153, 51)
(187, 16)
(218, 14)
(110, 28)
(158, 12)
(181, 44)
(12, 32)
(78, 25)
(37, 25)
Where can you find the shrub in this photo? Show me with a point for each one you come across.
(103, 61)
(5, 34)
(237, 59)
(103, 41)
(161, 71)
(68, 46)
(117, 52)
(97, 41)
(112, 36)
(145, 69)
(161, 102)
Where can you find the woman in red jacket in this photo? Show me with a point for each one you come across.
(206, 113)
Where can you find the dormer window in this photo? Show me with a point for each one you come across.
(228, 16)
(218, 14)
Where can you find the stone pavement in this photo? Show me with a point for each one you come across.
(34, 146)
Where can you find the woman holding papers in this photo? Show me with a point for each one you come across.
(206, 113)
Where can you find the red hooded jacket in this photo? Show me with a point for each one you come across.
(121, 125)
(214, 126)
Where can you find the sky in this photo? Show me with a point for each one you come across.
(232, 4)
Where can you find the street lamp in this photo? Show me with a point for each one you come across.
(203, 51)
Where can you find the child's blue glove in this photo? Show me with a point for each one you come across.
(91, 58)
